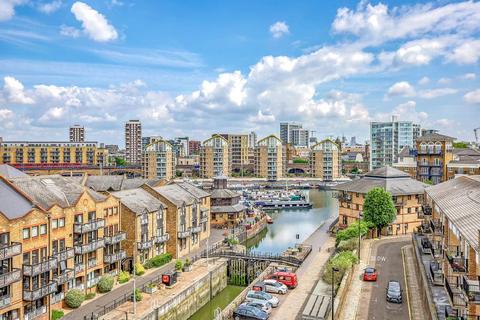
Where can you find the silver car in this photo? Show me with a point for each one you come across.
(274, 286)
(256, 296)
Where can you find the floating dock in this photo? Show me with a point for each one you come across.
(283, 204)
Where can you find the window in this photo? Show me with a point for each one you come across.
(43, 229)
(26, 233)
(34, 231)
(54, 224)
(61, 222)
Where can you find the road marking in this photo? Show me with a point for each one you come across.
(406, 282)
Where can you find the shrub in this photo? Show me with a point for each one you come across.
(348, 245)
(138, 295)
(105, 284)
(123, 277)
(178, 265)
(57, 314)
(90, 295)
(158, 261)
(187, 262)
(139, 269)
(341, 261)
(352, 231)
(74, 298)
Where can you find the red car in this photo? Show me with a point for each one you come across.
(287, 278)
(369, 274)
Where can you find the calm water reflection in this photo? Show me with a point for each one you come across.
(289, 223)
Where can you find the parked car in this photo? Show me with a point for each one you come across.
(262, 305)
(370, 274)
(248, 312)
(262, 296)
(287, 278)
(394, 292)
(275, 286)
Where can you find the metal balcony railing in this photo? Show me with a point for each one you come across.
(161, 238)
(437, 227)
(11, 250)
(41, 267)
(114, 257)
(65, 276)
(471, 288)
(88, 226)
(457, 262)
(56, 298)
(34, 313)
(91, 263)
(144, 245)
(183, 234)
(32, 295)
(120, 236)
(454, 293)
(196, 229)
(10, 277)
(92, 282)
(79, 267)
(66, 254)
(89, 247)
(5, 301)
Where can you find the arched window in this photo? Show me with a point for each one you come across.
(423, 147)
(438, 147)
(430, 147)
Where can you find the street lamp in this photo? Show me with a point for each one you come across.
(333, 290)
(359, 233)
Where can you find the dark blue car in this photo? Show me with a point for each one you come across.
(249, 312)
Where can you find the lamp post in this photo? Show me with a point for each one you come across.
(333, 291)
(359, 233)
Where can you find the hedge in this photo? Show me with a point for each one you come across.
(139, 269)
(57, 314)
(74, 298)
(123, 277)
(105, 284)
(341, 261)
(348, 245)
(158, 261)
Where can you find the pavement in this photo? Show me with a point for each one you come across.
(291, 304)
(386, 257)
(87, 309)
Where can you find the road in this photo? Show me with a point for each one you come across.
(386, 257)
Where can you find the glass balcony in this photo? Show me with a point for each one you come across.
(56, 298)
(161, 238)
(91, 263)
(79, 267)
(92, 282)
(10, 250)
(114, 257)
(32, 295)
(120, 236)
(35, 313)
(183, 234)
(45, 266)
(5, 301)
(88, 226)
(89, 247)
(144, 245)
(65, 276)
(10, 277)
(68, 253)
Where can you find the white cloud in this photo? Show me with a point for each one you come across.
(262, 118)
(53, 114)
(408, 111)
(279, 29)
(105, 118)
(70, 31)
(94, 24)
(50, 7)
(7, 8)
(469, 76)
(472, 97)
(444, 80)
(5, 114)
(435, 93)
(424, 81)
(13, 90)
(466, 53)
(402, 88)
(445, 123)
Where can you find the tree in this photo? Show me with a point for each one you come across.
(120, 162)
(379, 209)
(74, 298)
(105, 284)
(460, 145)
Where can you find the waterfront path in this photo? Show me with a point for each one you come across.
(308, 273)
(86, 310)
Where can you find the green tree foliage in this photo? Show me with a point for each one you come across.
(178, 265)
(105, 284)
(139, 269)
(90, 295)
(378, 208)
(430, 182)
(57, 314)
(460, 145)
(138, 295)
(123, 277)
(158, 261)
(341, 261)
(352, 230)
(120, 162)
(74, 298)
(300, 160)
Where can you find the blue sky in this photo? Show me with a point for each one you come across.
(197, 67)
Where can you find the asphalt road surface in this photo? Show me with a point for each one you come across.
(386, 257)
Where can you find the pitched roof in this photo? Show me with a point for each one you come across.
(47, 191)
(459, 200)
(13, 204)
(176, 194)
(9, 172)
(228, 209)
(116, 183)
(390, 179)
(138, 200)
(405, 152)
(223, 194)
(195, 191)
(435, 137)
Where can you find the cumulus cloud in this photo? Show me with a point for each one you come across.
(53, 114)
(94, 24)
(13, 91)
(402, 88)
(444, 80)
(7, 8)
(466, 53)
(261, 118)
(424, 81)
(50, 7)
(279, 29)
(435, 93)
(472, 97)
(469, 76)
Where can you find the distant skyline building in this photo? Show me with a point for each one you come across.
(148, 140)
(252, 139)
(294, 133)
(77, 133)
(133, 142)
(158, 161)
(389, 138)
(194, 147)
